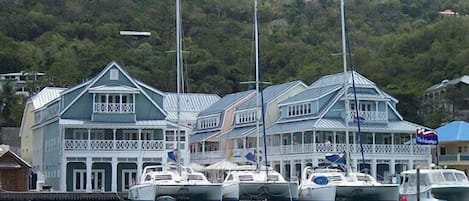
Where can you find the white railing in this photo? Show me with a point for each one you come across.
(367, 116)
(113, 145)
(384, 149)
(113, 107)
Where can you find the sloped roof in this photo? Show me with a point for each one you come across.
(338, 79)
(463, 79)
(198, 137)
(113, 88)
(238, 132)
(454, 131)
(189, 102)
(45, 96)
(5, 151)
(312, 93)
(271, 93)
(225, 102)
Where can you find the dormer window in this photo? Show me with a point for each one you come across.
(242, 117)
(299, 109)
(208, 122)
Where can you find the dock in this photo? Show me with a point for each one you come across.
(62, 196)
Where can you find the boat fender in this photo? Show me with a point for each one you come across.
(321, 180)
(165, 198)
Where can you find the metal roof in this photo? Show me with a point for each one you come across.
(454, 131)
(270, 93)
(390, 127)
(290, 127)
(312, 93)
(444, 83)
(45, 96)
(237, 132)
(225, 102)
(86, 123)
(338, 79)
(198, 137)
(189, 102)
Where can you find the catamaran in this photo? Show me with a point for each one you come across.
(261, 183)
(174, 181)
(349, 185)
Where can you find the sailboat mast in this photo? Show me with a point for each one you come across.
(178, 85)
(344, 60)
(258, 98)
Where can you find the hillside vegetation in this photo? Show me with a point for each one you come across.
(404, 46)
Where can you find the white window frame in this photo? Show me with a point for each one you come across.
(81, 134)
(82, 177)
(131, 175)
(95, 184)
(299, 109)
(129, 134)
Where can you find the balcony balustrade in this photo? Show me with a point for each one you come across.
(114, 145)
(454, 158)
(323, 148)
(113, 107)
(367, 116)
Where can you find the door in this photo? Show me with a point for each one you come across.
(129, 178)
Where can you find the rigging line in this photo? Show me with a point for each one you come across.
(352, 68)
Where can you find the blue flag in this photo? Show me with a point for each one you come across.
(172, 155)
(251, 156)
(336, 158)
(426, 137)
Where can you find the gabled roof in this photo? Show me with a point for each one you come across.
(45, 96)
(4, 151)
(338, 79)
(271, 93)
(90, 83)
(112, 89)
(226, 102)
(454, 131)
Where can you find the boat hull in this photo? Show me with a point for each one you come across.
(368, 192)
(187, 192)
(441, 193)
(271, 191)
(317, 193)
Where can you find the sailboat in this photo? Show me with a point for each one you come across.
(261, 182)
(174, 181)
(349, 184)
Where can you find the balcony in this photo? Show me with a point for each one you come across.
(382, 149)
(368, 116)
(114, 145)
(113, 108)
(454, 159)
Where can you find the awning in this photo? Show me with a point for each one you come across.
(238, 132)
(199, 137)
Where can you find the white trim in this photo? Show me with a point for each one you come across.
(82, 173)
(100, 75)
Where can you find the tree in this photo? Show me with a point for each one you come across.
(8, 102)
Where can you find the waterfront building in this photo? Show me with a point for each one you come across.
(316, 122)
(32, 104)
(453, 151)
(239, 123)
(99, 135)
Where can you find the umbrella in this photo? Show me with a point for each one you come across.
(222, 165)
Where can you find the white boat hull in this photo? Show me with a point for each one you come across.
(150, 192)
(271, 191)
(317, 193)
(441, 193)
(382, 192)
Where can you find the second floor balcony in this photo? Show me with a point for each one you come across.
(384, 149)
(113, 107)
(119, 145)
(367, 116)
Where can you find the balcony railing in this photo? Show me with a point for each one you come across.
(369, 116)
(323, 148)
(454, 158)
(113, 107)
(113, 145)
